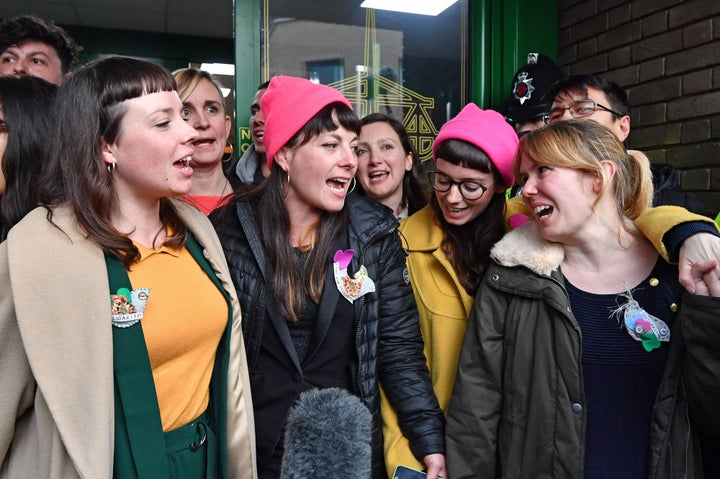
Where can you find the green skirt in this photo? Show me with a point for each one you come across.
(192, 450)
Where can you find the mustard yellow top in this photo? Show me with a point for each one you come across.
(184, 320)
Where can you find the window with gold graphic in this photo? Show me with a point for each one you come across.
(408, 65)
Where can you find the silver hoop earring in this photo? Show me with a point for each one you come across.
(288, 179)
(111, 167)
(354, 182)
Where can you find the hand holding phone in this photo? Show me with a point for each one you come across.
(402, 472)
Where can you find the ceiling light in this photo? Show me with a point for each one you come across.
(421, 7)
(219, 68)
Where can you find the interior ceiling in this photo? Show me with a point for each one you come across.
(207, 18)
(213, 18)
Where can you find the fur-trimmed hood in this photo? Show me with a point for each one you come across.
(525, 246)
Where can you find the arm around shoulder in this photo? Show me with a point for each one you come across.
(656, 222)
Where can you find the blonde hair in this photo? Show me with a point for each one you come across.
(188, 78)
(584, 145)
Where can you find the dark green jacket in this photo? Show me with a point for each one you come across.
(518, 406)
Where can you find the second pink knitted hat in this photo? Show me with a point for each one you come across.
(488, 130)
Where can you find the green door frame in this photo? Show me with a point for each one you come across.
(248, 18)
(502, 33)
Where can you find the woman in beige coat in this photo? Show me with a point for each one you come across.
(99, 379)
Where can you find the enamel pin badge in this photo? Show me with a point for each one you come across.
(128, 307)
(523, 88)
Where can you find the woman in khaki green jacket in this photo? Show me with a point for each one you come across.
(121, 351)
(572, 361)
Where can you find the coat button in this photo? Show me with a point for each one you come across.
(576, 408)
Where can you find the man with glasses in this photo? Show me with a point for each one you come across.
(595, 98)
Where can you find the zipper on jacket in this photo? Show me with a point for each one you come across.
(361, 317)
(360, 356)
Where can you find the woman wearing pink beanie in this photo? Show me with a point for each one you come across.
(448, 244)
(322, 281)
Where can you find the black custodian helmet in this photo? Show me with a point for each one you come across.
(530, 86)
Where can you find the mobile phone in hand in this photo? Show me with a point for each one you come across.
(402, 472)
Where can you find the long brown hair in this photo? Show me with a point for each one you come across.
(467, 247)
(27, 107)
(291, 283)
(90, 108)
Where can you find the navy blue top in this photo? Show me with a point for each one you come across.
(621, 378)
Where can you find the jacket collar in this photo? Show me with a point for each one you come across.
(525, 246)
(421, 231)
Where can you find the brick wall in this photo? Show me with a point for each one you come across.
(666, 54)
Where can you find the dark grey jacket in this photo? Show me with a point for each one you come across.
(389, 348)
(518, 407)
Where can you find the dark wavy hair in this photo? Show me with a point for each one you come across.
(30, 27)
(468, 246)
(91, 105)
(415, 193)
(26, 105)
(291, 283)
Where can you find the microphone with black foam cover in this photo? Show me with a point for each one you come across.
(327, 436)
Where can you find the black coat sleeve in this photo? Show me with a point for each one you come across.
(401, 361)
(700, 316)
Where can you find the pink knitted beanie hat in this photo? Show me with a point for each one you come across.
(288, 104)
(488, 130)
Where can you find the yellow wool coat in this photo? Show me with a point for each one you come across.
(443, 308)
(56, 355)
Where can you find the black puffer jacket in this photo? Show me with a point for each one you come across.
(389, 348)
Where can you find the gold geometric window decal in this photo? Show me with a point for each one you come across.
(371, 92)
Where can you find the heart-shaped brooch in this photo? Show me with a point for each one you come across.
(359, 284)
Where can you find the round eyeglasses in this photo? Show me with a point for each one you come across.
(577, 109)
(470, 190)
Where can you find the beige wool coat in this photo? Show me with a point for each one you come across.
(56, 355)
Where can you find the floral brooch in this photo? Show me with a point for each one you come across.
(359, 284)
(127, 307)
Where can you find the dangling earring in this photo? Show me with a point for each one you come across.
(228, 152)
(354, 182)
(111, 167)
(284, 190)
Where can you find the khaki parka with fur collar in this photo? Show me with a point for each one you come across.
(518, 406)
